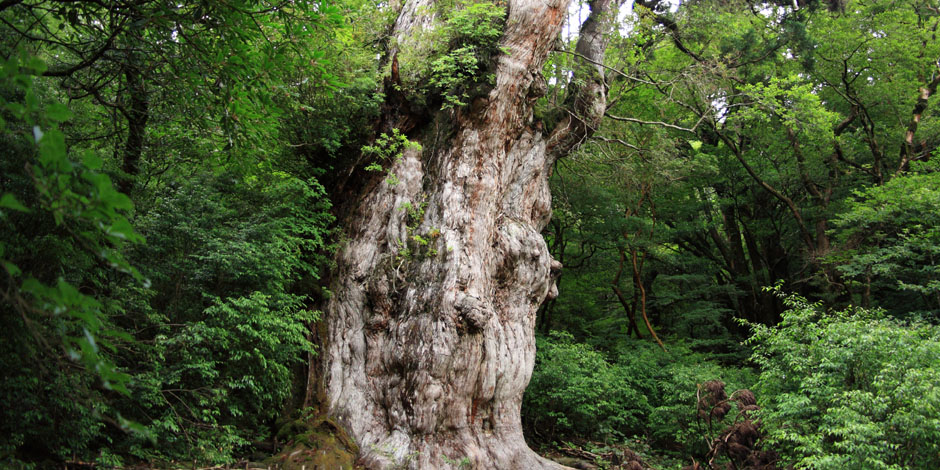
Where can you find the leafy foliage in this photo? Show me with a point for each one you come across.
(451, 59)
(224, 324)
(849, 389)
(164, 221)
(58, 199)
(388, 149)
(192, 341)
(472, 29)
(892, 235)
(579, 392)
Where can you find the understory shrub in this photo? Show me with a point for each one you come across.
(576, 391)
(852, 389)
(638, 390)
(225, 319)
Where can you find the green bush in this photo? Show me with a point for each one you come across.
(578, 392)
(575, 391)
(223, 323)
(671, 382)
(892, 237)
(849, 390)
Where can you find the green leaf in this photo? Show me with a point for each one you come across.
(16, 109)
(123, 230)
(10, 202)
(36, 65)
(92, 161)
(59, 112)
(11, 268)
(32, 286)
(32, 101)
(52, 150)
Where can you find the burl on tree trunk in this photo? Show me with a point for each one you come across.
(430, 329)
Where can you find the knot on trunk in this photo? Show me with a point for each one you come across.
(473, 311)
(538, 88)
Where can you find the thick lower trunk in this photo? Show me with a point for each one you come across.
(430, 347)
(430, 329)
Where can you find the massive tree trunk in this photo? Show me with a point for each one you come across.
(430, 329)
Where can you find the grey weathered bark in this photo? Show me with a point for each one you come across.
(430, 329)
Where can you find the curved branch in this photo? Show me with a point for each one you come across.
(690, 130)
(616, 141)
(587, 98)
(670, 26)
(794, 210)
(605, 66)
(907, 147)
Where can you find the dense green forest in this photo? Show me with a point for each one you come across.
(750, 239)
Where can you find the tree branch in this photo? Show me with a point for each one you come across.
(605, 66)
(9, 3)
(587, 97)
(690, 130)
(616, 141)
(907, 147)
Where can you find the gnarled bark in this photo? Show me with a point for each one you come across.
(430, 329)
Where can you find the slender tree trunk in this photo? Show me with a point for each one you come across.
(430, 329)
(637, 264)
(137, 113)
(630, 310)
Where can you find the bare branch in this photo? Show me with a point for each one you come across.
(616, 141)
(605, 66)
(690, 130)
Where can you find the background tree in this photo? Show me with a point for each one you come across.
(195, 351)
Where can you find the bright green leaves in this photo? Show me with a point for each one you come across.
(451, 60)
(388, 149)
(895, 230)
(849, 389)
(579, 392)
(473, 29)
(793, 102)
(575, 391)
(451, 71)
(476, 22)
